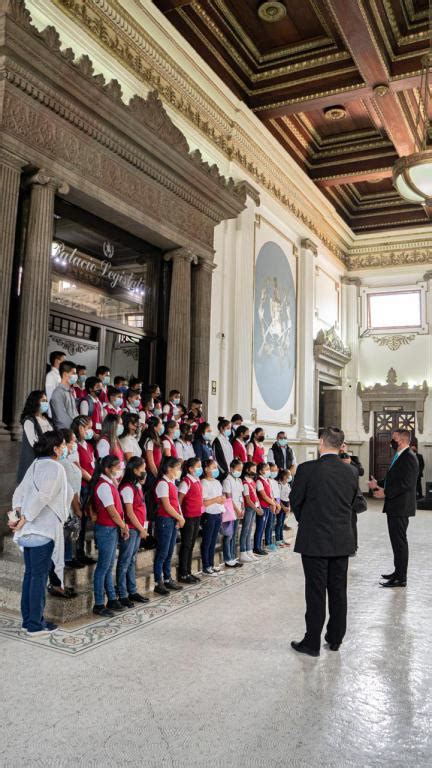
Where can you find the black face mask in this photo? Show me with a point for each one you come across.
(142, 476)
(260, 439)
(98, 392)
(394, 445)
(246, 438)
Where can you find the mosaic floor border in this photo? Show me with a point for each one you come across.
(80, 640)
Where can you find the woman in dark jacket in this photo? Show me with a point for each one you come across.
(35, 422)
(222, 448)
(202, 441)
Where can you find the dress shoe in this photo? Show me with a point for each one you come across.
(126, 602)
(170, 584)
(388, 576)
(115, 605)
(332, 646)
(394, 583)
(300, 648)
(137, 598)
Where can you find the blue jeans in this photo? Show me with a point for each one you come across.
(210, 529)
(246, 531)
(126, 563)
(37, 566)
(166, 534)
(229, 544)
(280, 519)
(260, 526)
(269, 527)
(106, 539)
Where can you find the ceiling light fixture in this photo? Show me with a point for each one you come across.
(272, 11)
(412, 175)
(335, 113)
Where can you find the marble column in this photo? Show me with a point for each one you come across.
(35, 292)
(350, 374)
(179, 322)
(200, 336)
(305, 350)
(10, 175)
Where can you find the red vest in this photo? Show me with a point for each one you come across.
(138, 503)
(80, 394)
(252, 490)
(117, 451)
(95, 407)
(173, 499)
(239, 450)
(86, 459)
(103, 517)
(267, 491)
(104, 396)
(173, 448)
(112, 410)
(157, 454)
(258, 456)
(192, 504)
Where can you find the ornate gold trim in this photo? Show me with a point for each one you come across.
(394, 341)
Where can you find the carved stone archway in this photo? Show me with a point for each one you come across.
(378, 396)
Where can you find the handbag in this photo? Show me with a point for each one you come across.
(72, 527)
(360, 503)
(228, 513)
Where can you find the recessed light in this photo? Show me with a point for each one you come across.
(272, 11)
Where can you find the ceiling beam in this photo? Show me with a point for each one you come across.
(351, 18)
(348, 178)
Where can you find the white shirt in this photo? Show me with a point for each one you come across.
(211, 489)
(52, 379)
(274, 485)
(103, 448)
(284, 492)
(184, 450)
(30, 431)
(234, 487)
(130, 444)
(127, 495)
(184, 487)
(162, 488)
(104, 492)
(270, 455)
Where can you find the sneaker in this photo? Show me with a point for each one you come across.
(260, 552)
(216, 568)
(115, 605)
(251, 556)
(272, 547)
(237, 564)
(209, 572)
(50, 626)
(231, 564)
(100, 610)
(245, 558)
(38, 633)
(126, 602)
(137, 598)
(171, 584)
(160, 589)
(186, 579)
(194, 578)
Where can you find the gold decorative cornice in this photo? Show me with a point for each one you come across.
(391, 254)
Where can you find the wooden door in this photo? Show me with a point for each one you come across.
(385, 423)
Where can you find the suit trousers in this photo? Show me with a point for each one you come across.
(325, 575)
(397, 528)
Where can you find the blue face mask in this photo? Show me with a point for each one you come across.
(236, 474)
(227, 433)
(273, 474)
(157, 412)
(208, 436)
(43, 406)
(118, 401)
(266, 475)
(106, 380)
(135, 403)
(89, 434)
(63, 454)
(176, 401)
(198, 471)
(161, 430)
(176, 434)
(283, 442)
(119, 429)
(82, 379)
(123, 390)
(215, 473)
(73, 379)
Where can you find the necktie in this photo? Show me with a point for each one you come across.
(395, 458)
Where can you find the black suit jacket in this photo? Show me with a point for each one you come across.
(321, 498)
(400, 486)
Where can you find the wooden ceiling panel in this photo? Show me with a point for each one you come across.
(325, 54)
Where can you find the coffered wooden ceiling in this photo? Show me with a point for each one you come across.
(325, 54)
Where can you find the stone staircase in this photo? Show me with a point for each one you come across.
(64, 611)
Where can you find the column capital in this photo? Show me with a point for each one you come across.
(16, 162)
(353, 280)
(206, 265)
(249, 191)
(43, 179)
(309, 245)
(181, 253)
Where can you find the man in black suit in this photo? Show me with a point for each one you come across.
(399, 491)
(321, 498)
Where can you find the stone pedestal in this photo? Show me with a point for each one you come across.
(10, 174)
(179, 323)
(200, 336)
(35, 291)
(305, 354)
(350, 325)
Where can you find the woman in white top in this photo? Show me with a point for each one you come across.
(109, 445)
(284, 481)
(41, 502)
(183, 445)
(214, 502)
(35, 422)
(233, 489)
(129, 440)
(222, 448)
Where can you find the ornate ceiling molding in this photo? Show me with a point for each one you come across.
(394, 341)
(391, 254)
(377, 397)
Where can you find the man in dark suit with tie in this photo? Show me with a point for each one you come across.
(321, 498)
(399, 491)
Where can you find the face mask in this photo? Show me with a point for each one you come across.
(252, 475)
(178, 474)
(117, 475)
(236, 474)
(157, 411)
(176, 401)
(123, 390)
(118, 401)
(43, 406)
(246, 438)
(266, 474)
(198, 472)
(98, 392)
(273, 475)
(82, 379)
(63, 454)
(282, 442)
(176, 434)
(73, 379)
(142, 477)
(208, 436)
(215, 473)
(394, 445)
(106, 380)
(161, 429)
(89, 434)
(135, 403)
(227, 432)
(119, 429)
(74, 449)
(260, 439)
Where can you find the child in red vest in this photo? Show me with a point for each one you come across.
(131, 494)
(92, 404)
(268, 505)
(172, 433)
(191, 503)
(169, 519)
(82, 427)
(252, 510)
